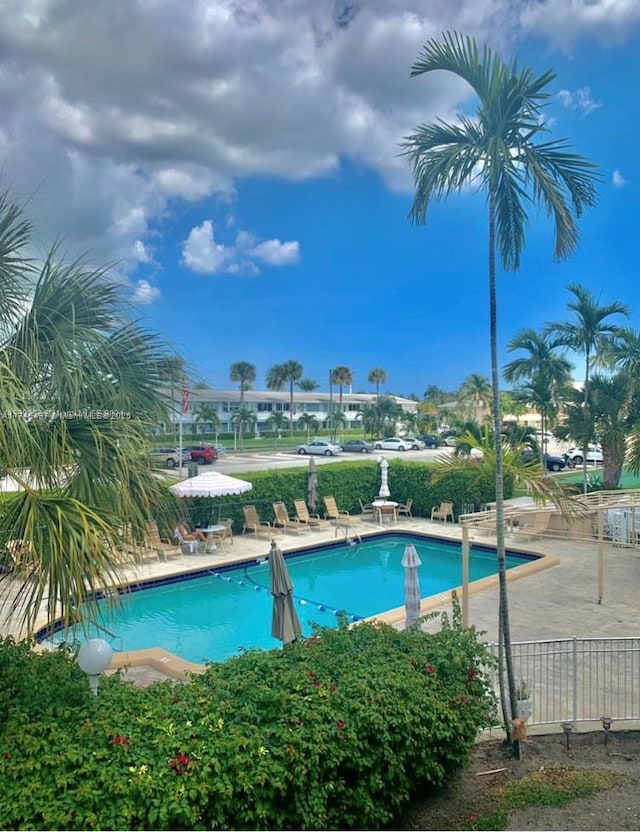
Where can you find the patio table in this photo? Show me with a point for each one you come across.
(385, 507)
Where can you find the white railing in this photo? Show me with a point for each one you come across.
(579, 679)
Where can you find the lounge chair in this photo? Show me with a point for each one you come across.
(306, 518)
(227, 533)
(139, 551)
(254, 524)
(405, 508)
(188, 546)
(333, 512)
(283, 520)
(163, 546)
(445, 510)
(367, 510)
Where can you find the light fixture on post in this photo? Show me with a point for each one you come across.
(606, 725)
(567, 727)
(94, 657)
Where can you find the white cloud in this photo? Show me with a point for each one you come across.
(618, 179)
(579, 100)
(202, 254)
(565, 22)
(144, 293)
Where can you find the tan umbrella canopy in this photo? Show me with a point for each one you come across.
(285, 624)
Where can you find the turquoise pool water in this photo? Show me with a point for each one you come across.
(212, 616)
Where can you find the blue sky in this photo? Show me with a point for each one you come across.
(239, 160)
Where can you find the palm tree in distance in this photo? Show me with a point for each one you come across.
(291, 373)
(377, 376)
(244, 374)
(172, 370)
(589, 334)
(308, 385)
(499, 150)
(476, 391)
(341, 376)
(309, 423)
(548, 374)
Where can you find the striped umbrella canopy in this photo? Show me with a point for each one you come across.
(411, 562)
(312, 485)
(285, 624)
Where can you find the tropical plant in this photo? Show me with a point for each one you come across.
(277, 421)
(243, 418)
(308, 422)
(475, 391)
(206, 415)
(336, 420)
(291, 373)
(434, 394)
(377, 376)
(308, 385)
(548, 375)
(244, 374)
(341, 376)
(499, 150)
(410, 421)
(82, 388)
(589, 334)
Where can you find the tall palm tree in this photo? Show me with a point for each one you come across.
(377, 376)
(499, 150)
(590, 333)
(207, 415)
(92, 382)
(476, 391)
(548, 374)
(341, 376)
(291, 373)
(244, 374)
(277, 421)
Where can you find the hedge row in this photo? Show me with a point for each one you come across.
(336, 732)
(348, 482)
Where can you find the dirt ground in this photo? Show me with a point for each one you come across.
(470, 796)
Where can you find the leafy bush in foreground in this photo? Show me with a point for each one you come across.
(334, 733)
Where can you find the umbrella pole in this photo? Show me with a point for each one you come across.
(465, 576)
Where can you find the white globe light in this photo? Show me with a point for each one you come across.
(94, 656)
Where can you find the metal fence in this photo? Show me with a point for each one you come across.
(579, 679)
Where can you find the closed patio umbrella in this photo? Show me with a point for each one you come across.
(284, 621)
(312, 485)
(384, 485)
(411, 562)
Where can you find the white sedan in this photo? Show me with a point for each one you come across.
(416, 444)
(393, 443)
(574, 456)
(319, 446)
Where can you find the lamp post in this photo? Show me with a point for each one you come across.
(94, 657)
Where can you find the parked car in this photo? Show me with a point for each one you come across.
(203, 454)
(574, 456)
(169, 457)
(320, 446)
(392, 443)
(430, 440)
(451, 441)
(551, 462)
(416, 444)
(357, 446)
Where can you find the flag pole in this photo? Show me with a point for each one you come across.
(183, 410)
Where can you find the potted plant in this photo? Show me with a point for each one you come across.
(525, 699)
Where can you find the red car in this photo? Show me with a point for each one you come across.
(202, 454)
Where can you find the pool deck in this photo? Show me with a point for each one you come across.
(548, 603)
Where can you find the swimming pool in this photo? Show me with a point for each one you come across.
(211, 615)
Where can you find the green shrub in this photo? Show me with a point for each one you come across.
(347, 482)
(335, 732)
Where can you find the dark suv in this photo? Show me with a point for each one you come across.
(202, 454)
(430, 440)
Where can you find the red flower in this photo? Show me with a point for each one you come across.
(429, 669)
(121, 740)
(473, 674)
(341, 725)
(180, 763)
(312, 675)
(463, 699)
(317, 682)
(7, 755)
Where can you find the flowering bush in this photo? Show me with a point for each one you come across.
(335, 732)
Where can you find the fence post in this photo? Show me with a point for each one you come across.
(574, 661)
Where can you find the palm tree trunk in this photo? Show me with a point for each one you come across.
(503, 613)
(291, 408)
(585, 447)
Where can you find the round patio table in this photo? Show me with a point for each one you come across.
(383, 507)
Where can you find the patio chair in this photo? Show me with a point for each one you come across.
(333, 512)
(283, 520)
(227, 533)
(190, 545)
(445, 510)
(405, 508)
(367, 510)
(306, 518)
(253, 523)
(163, 546)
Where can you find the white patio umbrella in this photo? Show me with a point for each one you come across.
(210, 484)
(411, 562)
(384, 486)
